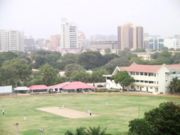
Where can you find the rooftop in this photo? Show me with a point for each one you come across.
(149, 68)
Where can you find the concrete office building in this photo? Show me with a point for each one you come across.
(69, 35)
(155, 43)
(3, 41)
(130, 37)
(172, 43)
(11, 41)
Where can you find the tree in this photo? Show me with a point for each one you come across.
(71, 68)
(68, 59)
(87, 131)
(123, 78)
(164, 57)
(80, 76)
(15, 72)
(5, 56)
(79, 131)
(96, 131)
(163, 120)
(120, 61)
(97, 75)
(176, 58)
(49, 74)
(139, 125)
(90, 60)
(109, 57)
(174, 85)
(45, 57)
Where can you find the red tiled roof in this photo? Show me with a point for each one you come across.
(141, 68)
(148, 68)
(72, 85)
(38, 87)
(59, 86)
(174, 66)
(77, 85)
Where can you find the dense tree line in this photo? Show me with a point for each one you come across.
(16, 68)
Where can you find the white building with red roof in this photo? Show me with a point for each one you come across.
(148, 78)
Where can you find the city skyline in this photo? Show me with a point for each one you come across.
(41, 19)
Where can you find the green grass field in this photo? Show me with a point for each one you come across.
(114, 112)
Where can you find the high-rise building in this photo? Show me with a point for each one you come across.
(103, 38)
(54, 42)
(3, 40)
(29, 44)
(130, 37)
(172, 42)
(154, 42)
(140, 37)
(81, 39)
(11, 41)
(69, 35)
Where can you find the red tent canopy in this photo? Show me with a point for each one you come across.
(59, 86)
(77, 85)
(38, 87)
(71, 86)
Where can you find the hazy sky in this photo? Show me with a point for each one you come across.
(42, 18)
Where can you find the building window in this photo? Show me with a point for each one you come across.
(132, 73)
(141, 73)
(145, 74)
(137, 73)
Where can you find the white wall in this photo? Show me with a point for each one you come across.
(5, 89)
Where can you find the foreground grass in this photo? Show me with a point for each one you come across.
(114, 112)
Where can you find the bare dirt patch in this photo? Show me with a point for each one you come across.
(66, 112)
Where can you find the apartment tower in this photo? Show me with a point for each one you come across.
(11, 41)
(69, 35)
(130, 37)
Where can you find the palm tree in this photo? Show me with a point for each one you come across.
(89, 131)
(96, 131)
(79, 131)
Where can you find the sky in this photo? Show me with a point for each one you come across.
(42, 18)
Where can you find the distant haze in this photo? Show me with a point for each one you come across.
(42, 18)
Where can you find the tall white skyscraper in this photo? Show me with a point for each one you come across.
(11, 41)
(69, 35)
